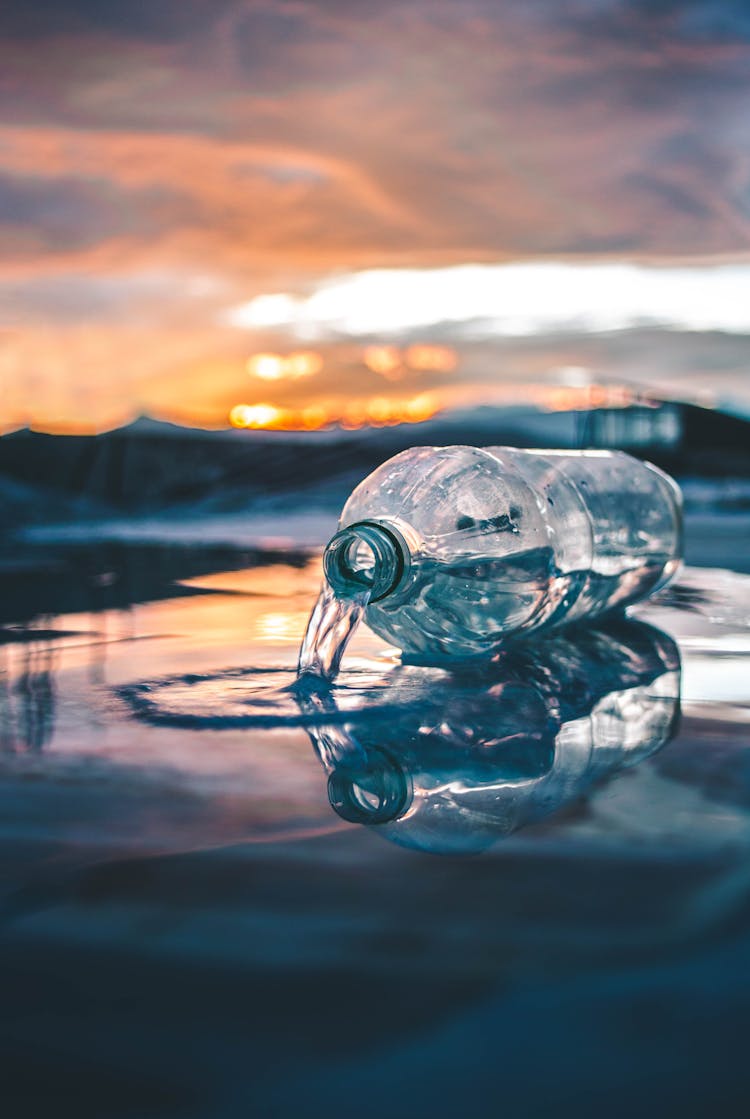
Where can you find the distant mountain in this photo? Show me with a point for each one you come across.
(150, 465)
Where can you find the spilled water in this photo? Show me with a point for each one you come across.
(267, 697)
(329, 630)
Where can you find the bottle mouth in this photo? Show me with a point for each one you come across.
(377, 793)
(365, 557)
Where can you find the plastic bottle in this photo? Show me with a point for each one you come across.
(456, 548)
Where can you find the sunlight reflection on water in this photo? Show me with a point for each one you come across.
(186, 696)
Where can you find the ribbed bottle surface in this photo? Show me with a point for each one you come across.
(500, 541)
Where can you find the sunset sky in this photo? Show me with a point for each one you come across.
(403, 205)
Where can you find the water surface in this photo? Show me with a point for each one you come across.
(172, 859)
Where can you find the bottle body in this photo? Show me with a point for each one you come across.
(498, 541)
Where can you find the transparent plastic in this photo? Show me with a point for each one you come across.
(456, 548)
(465, 760)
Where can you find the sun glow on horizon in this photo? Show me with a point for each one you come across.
(376, 411)
(277, 367)
(394, 363)
(267, 367)
(255, 415)
(385, 411)
(386, 361)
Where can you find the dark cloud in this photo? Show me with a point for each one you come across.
(643, 23)
(154, 21)
(706, 21)
(66, 299)
(475, 129)
(261, 33)
(672, 195)
(281, 49)
(64, 214)
(267, 25)
(266, 143)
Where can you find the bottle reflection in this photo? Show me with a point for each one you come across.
(465, 760)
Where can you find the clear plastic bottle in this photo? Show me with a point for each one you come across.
(456, 548)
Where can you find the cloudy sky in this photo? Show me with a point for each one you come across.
(436, 199)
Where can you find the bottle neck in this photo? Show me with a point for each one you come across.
(366, 557)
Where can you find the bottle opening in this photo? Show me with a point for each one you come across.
(378, 794)
(359, 561)
(365, 557)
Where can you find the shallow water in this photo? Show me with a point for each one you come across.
(171, 859)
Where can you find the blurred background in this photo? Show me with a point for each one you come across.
(324, 218)
(288, 214)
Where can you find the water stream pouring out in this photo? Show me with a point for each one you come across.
(362, 564)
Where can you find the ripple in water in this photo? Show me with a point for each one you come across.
(261, 698)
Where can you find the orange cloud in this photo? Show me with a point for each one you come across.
(162, 163)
